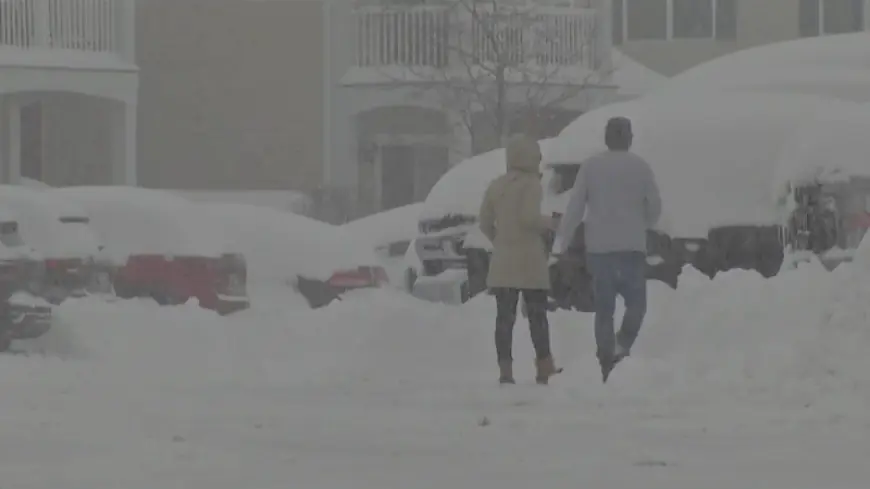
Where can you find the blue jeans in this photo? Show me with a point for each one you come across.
(617, 273)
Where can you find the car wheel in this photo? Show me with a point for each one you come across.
(478, 269)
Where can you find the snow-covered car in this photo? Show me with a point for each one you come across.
(319, 260)
(714, 156)
(822, 185)
(60, 231)
(23, 314)
(389, 234)
(159, 247)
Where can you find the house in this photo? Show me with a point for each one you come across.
(68, 91)
(418, 85)
(671, 36)
(319, 97)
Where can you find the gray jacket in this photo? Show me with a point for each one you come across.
(618, 194)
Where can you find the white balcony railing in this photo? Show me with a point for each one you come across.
(84, 25)
(437, 35)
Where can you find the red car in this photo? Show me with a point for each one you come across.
(159, 249)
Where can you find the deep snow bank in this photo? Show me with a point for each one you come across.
(797, 341)
(279, 245)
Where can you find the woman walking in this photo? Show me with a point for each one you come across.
(510, 216)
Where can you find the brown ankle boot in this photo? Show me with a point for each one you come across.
(506, 372)
(546, 368)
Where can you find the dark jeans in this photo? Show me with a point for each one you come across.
(619, 273)
(536, 308)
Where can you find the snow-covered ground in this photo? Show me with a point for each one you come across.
(737, 382)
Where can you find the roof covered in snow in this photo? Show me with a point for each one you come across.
(461, 189)
(837, 65)
(833, 146)
(714, 155)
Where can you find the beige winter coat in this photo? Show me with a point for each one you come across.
(510, 216)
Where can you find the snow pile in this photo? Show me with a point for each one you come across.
(282, 200)
(832, 147)
(835, 66)
(279, 245)
(461, 189)
(726, 373)
(130, 220)
(714, 154)
(388, 226)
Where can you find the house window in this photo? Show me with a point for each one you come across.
(646, 19)
(636, 20)
(820, 17)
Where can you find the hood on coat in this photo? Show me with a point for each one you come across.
(523, 154)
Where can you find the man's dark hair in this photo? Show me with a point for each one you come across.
(617, 134)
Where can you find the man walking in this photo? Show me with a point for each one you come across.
(510, 216)
(617, 192)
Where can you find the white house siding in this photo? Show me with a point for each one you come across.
(231, 94)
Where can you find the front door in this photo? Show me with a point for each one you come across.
(431, 164)
(397, 176)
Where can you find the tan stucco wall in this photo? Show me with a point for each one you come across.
(758, 22)
(230, 94)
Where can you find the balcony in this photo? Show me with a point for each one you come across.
(460, 35)
(74, 34)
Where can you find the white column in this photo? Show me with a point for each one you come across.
(124, 144)
(326, 150)
(604, 39)
(125, 29)
(13, 158)
(4, 138)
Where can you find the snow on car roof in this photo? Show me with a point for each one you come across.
(461, 189)
(388, 226)
(39, 215)
(833, 146)
(49, 202)
(132, 220)
(279, 245)
(837, 66)
(713, 154)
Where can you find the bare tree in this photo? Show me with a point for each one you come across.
(499, 63)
